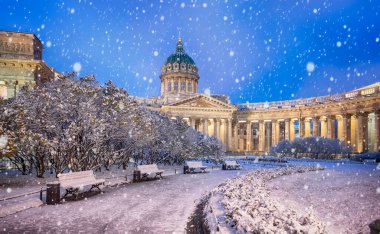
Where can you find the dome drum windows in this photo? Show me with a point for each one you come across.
(179, 73)
(175, 66)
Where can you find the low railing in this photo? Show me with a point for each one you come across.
(373, 91)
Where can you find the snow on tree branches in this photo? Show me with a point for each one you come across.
(77, 124)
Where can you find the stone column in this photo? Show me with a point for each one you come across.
(344, 127)
(261, 136)
(278, 132)
(376, 131)
(223, 132)
(301, 127)
(217, 129)
(359, 133)
(323, 127)
(236, 137)
(212, 125)
(330, 127)
(287, 129)
(316, 126)
(200, 126)
(274, 132)
(353, 132)
(205, 126)
(229, 135)
(192, 122)
(249, 135)
(365, 132)
(292, 130)
(307, 128)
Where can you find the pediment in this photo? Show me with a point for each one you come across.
(202, 101)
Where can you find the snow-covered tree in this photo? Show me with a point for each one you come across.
(77, 124)
(316, 147)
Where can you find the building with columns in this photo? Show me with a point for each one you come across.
(21, 63)
(352, 117)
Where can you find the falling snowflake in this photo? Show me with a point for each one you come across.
(77, 67)
(207, 91)
(339, 44)
(48, 44)
(310, 67)
(155, 53)
(9, 190)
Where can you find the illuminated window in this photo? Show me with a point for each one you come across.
(176, 86)
(183, 86)
(189, 86)
(170, 86)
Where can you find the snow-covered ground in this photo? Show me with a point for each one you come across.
(346, 198)
(343, 197)
(157, 206)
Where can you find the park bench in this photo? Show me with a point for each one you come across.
(231, 164)
(74, 181)
(191, 166)
(145, 171)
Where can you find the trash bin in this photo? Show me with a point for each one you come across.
(375, 227)
(136, 176)
(53, 193)
(185, 169)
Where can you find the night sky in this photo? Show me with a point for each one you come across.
(252, 51)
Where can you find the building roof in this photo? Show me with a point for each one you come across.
(179, 56)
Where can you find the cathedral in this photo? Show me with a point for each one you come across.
(352, 117)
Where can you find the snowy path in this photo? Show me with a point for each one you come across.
(160, 206)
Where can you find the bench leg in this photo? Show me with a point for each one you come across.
(74, 192)
(96, 186)
(158, 174)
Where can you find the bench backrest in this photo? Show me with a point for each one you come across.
(194, 164)
(231, 163)
(72, 177)
(147, 168)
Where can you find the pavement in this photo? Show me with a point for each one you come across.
(156, 206)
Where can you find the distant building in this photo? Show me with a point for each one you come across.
(21, 63)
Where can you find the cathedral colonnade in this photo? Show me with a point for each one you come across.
(257, 127)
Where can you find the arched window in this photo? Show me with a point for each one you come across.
(170, 86)
(183, 86)
(189, 87)
(176, 86)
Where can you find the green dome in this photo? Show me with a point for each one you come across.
(179, 56)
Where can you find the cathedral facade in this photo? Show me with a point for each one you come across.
(352, 117)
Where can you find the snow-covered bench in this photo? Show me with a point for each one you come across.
(74, 181)
(231, 164)
(192, 166)
(150, 169)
